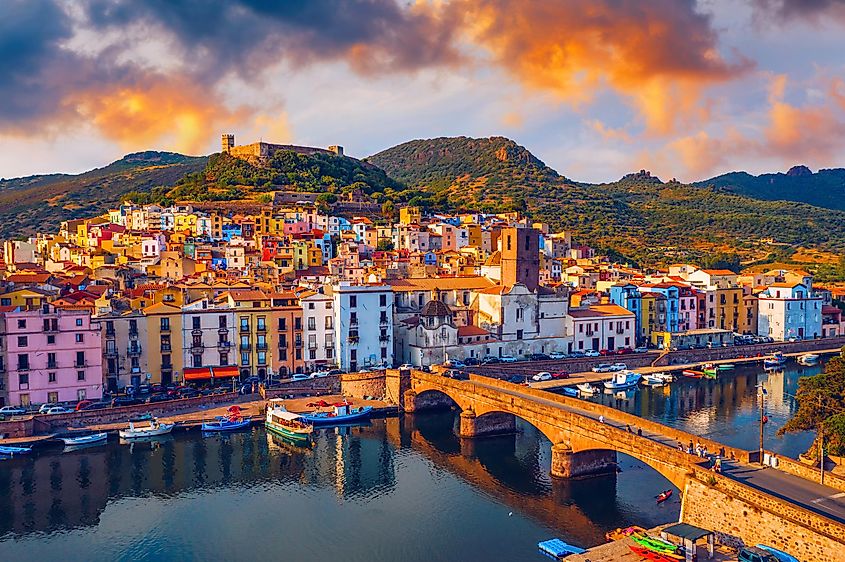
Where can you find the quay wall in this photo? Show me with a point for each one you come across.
(739, 351)
(741, 515)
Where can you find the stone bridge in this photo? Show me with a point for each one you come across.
(583, 444)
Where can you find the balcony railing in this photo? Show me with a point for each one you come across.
(244, 328)
(52, 365)
(165, 347)
(163, 328)
(312, 345)
(384, 338)
(197, 346)
(224, 344)
(261, 346)
(245, 347)
(133, 350)
(196, 332)
(223, 330)
(133, 333)
(352, 339)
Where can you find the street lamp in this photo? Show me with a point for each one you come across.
(762, 395)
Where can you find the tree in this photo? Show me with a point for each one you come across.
(388, 210)
(385, 245)
(821, 404)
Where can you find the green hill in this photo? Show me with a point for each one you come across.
(825, 188)
(638, 217)
(28, 204)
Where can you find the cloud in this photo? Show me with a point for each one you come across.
(813, 10)
(659, 55)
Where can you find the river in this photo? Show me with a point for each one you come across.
(395, 489)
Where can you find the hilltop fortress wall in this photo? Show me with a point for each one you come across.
(259, 153)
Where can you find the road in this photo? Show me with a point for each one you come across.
(810, 495)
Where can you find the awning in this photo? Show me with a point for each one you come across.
(686, 531)
(200, 373)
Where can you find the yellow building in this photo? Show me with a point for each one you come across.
(253, 313)
(729, 303)
(164, 343)
(410, 215)
(28, 299)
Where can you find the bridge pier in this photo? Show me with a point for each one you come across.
(414, 402)
(494, 423)
(569, 464)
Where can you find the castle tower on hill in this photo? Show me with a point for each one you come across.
(228, 142)
(521, 256)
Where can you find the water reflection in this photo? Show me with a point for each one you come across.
(726, 409)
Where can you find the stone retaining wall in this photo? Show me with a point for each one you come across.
(800, 469)
(741, 515)
(738, 351)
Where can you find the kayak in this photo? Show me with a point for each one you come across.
(664, 495)
(654, 555)
(653, 543)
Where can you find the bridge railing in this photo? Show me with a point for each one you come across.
(618, 416)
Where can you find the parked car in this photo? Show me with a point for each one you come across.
(335, 372)
(507, 359)
(13, 411)
(405, 366)
(577, 354)
(44, 407)
(57, 410)
(539, 357)
(96, 405)
(517, 379)
(619, 367)
(605, 352)
(161, 397)
(82, 404)
(557, 355)
(542, 376)
(624, 351)
(469, 361)
(641, 349)
(319, 374)
(156, 389)
(591, 353)
(174, 390)
(126, 401)
(455, 374)
(602, 368)
(299, 377)
(490, 360)
(754, 554)
(560, 375)
(144, 389)
(189, 393)
(454, 364)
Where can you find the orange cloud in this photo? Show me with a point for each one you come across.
(659, 55)
(170, 114)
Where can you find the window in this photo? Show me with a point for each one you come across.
(80, 358)
(22, 341)
(298, 354)
(312, 354)
(382, 300)
(197, 360)
(519, 334)
(329, 353)
(312, 323)
(329, 305)
(519, 314)
(23, 361)
(244, 323)
(79, 321)
(297, 323)
(384, 353)
(52, 397)
(5, 301)
(195, 323)
(261, 323)
(262, 358)
(78, 338)
(310, 306)
(51, 360)
(164, 324)
(51, 339)
(80, 375)
(353, 301)
(165, 361)
(224, 358)
(383, 317)
(245, 358)
(283, 324)
(21, 324)
(353, 354)
(221, 322)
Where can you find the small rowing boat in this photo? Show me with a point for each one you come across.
(11, 451)
(153, 429)
(776, 360)
(663, 496)
(709, 371)
(587, 388)
(225, 424)
(90, 439)
(725, 367)
(652, 380)
(692, 373)
(808, 359)
(649, 554)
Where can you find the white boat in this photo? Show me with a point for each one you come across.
(652, 380)
(89, 439)
(153, 428)
(587, 388)
(776, 360)
(808, 359)
(665, 377)
(622, 380)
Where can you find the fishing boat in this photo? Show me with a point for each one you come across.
(287, 424)
(692, 373)
(779, 554)
(587, 388)
(11, 451)
(558, 549)
(776, 360)
(709, 371)
(651, 380)
(340, 413)
(622, 380)
(808, 359)
(153, 428)
(90, 439)
(663, 496)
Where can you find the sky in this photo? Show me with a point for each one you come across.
(595, 88)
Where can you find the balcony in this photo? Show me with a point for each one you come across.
(223, 330)
(383, 323)
(353, 322)
(133, 350)
(384, 338)
(109, 332)
(82, 365)
(164, 328)
(133, 333)
(245, 347)
(197, 347)
(352, 339)
(244, 328)
(196, 332)
(165, 347)
(261, 346)
(52, 365)
(224, 344)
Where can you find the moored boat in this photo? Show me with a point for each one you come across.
(663, 496)
(692, 373)
(153, 428)
(225, 424)
(340, 413)
(11, 451)
(571, 392)
(665, 377)
(725, 367)
(587, 388)
(652, 380)
(654, 543)
(709, 370)
(779, 554)
(776, 360)
(621, 533)
(808, 359)
(649, 554)
(622, 380)
(90, 439)
(287, 424)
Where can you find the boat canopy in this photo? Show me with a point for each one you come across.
(285, 415)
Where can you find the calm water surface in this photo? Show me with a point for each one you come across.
(404, 489)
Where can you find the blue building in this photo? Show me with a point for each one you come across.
(628, 296)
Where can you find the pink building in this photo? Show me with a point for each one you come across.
(49, 354)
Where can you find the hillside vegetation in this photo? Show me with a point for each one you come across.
(638, 217)
(28, 204)
(825, 188)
